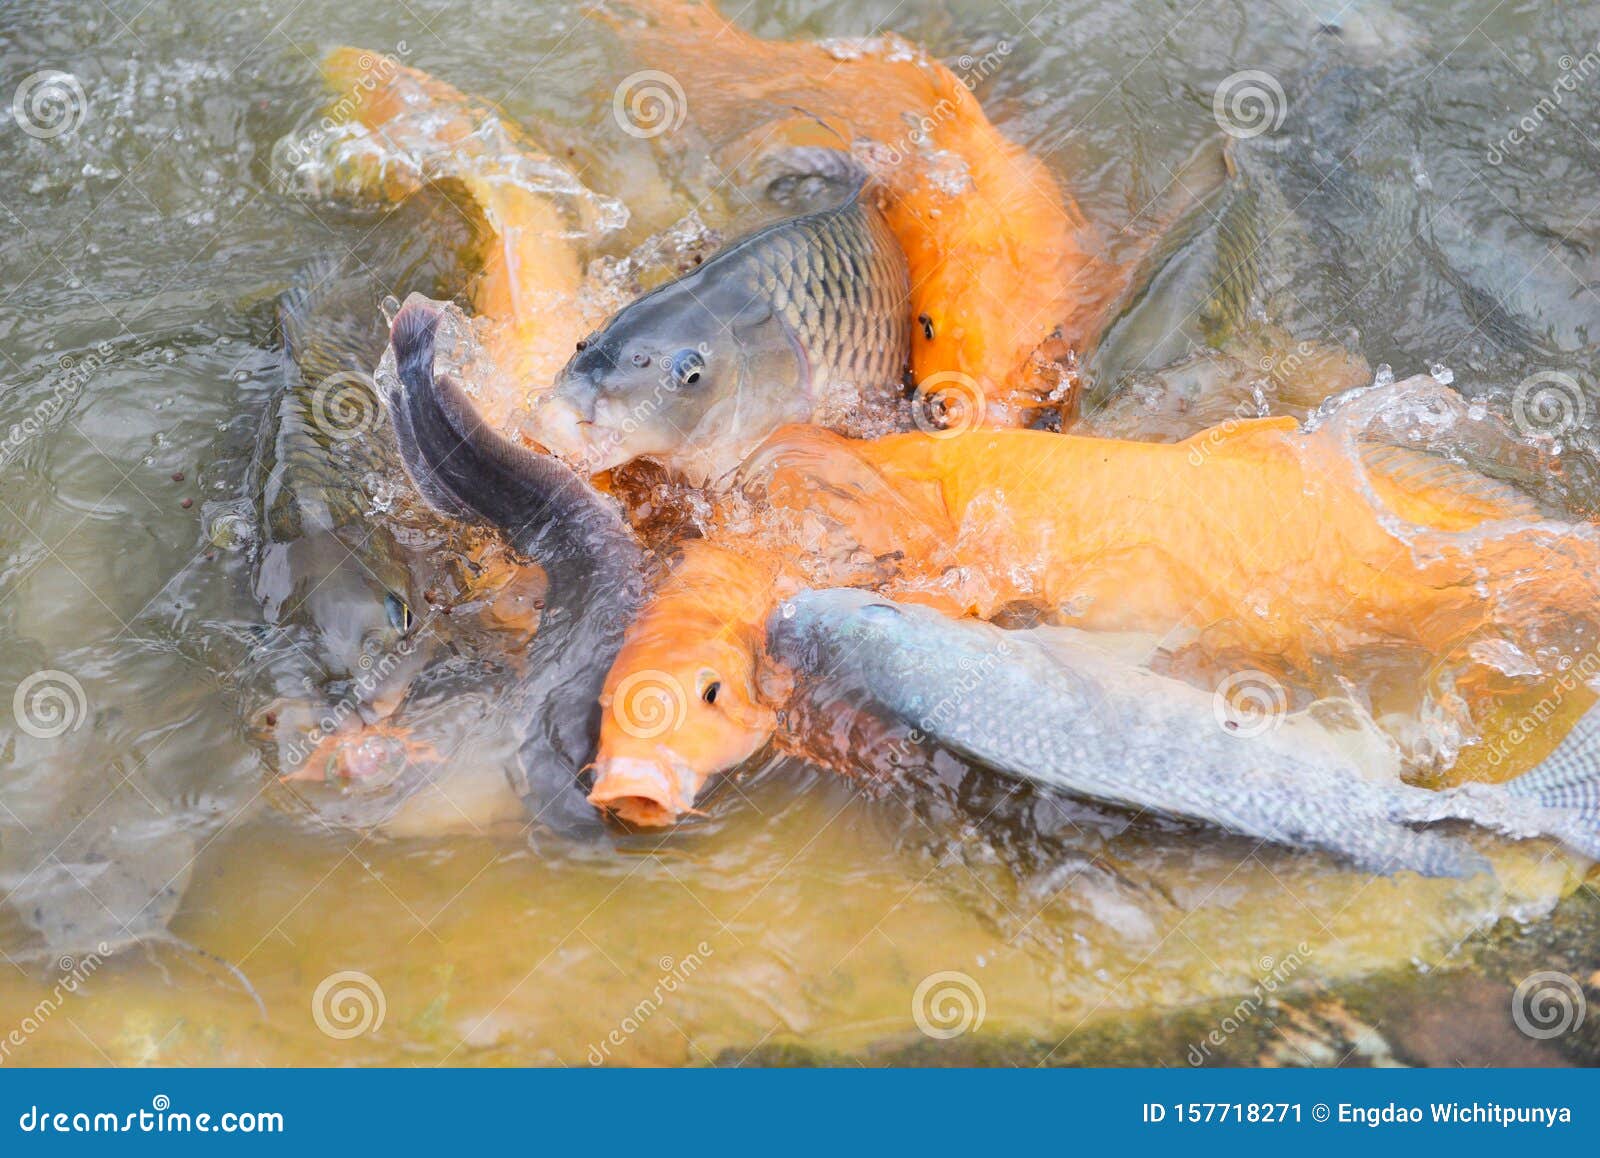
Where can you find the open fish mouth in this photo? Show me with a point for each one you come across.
(644, 793)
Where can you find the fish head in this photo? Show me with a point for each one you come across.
(682, 702)
(358, 600)
(815, 633)
(692, 375)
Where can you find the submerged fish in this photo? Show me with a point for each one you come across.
(325, 565)
(806, 319)
(549, 514)
(1053, 707)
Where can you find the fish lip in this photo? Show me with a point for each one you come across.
(578, 441)
(645, 793)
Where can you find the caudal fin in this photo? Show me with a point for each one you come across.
(1568, 783)
(550, 514)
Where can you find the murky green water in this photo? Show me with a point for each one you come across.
(805, 916)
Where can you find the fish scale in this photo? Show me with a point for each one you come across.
(808, 319)
(1052, 707)
(839, 280)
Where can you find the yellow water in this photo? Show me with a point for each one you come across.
(803, 910)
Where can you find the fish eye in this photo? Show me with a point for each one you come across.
(710, 685)
(685, 367)
(640, 360)
(399, 613)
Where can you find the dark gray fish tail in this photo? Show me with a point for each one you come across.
(595, 566)
(1568, 783)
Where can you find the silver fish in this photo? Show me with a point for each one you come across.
(1055, 708)
(804, 320)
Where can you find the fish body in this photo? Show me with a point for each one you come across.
(1006, 274)
(1354, 224)
(1266, 537)
(549, 515)
(1051, 706)
(1254, 538)
(324, 564)
(805, 320)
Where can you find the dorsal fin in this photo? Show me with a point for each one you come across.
(1430, 490)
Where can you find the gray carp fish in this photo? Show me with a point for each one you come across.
(1054, 707)
(325, 566)
(804, 320)
(550, 515)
